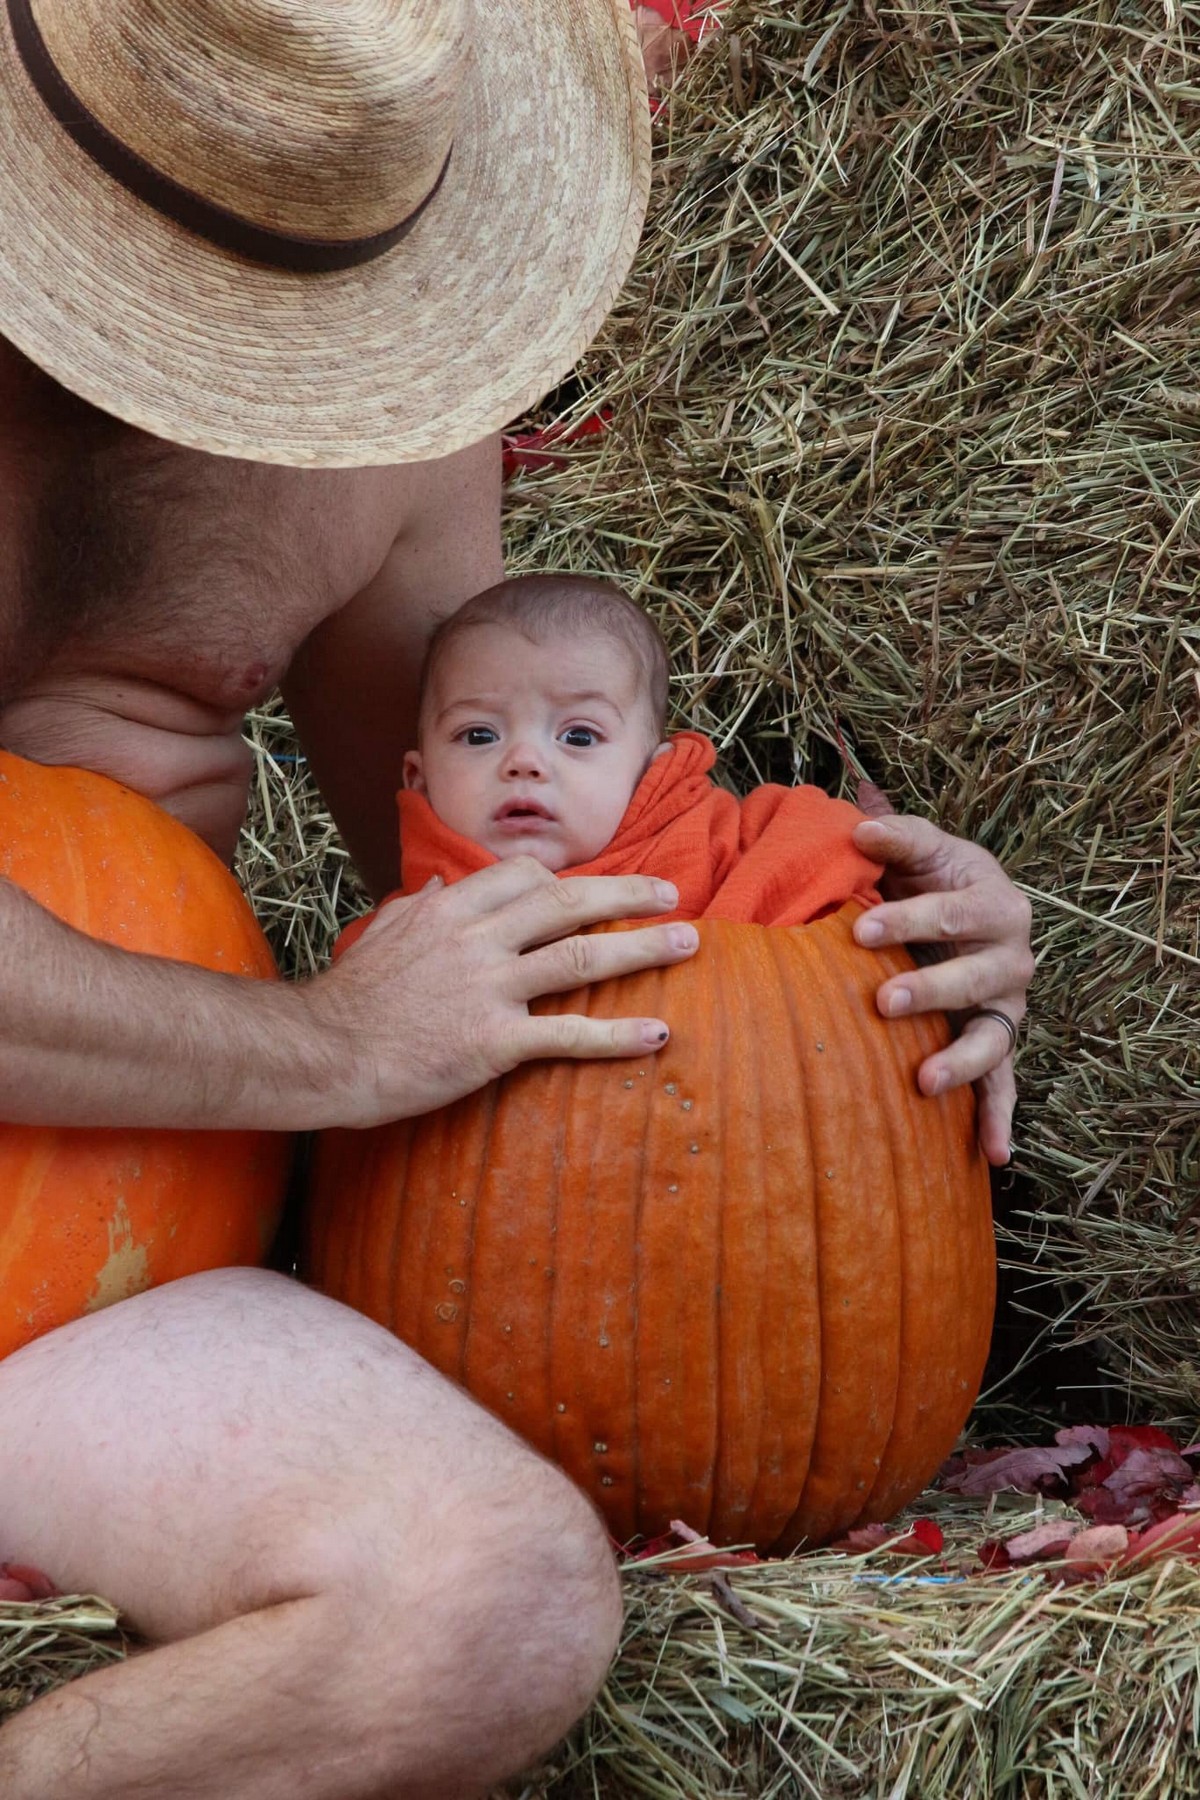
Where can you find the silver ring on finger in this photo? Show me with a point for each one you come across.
(1001, 1018)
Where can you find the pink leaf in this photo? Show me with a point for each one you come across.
(862, 1538)
(1098, 1545)
(1042, 1544)
(1096, 1436)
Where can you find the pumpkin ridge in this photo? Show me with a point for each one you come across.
(489, 1100)
(653, 1005)
(553, 1322)
(929, 1282)
(759, 1499)
(857, 1258)
(734, 1496)
(789, 990)
(882, 1052)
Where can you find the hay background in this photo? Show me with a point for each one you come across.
(905, 456)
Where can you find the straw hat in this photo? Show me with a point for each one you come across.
(316, 231)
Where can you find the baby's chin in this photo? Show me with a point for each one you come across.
(546, 854)
(552, 854)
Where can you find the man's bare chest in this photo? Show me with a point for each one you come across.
(150, 677)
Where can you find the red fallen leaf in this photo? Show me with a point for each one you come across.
(25, 1575)
(1140, 1437)
(532, 450)
(930, 1534)
(705, 1557)
(1030, 1470)
(925, 1538)
(1097, 1546)
(1178, 1535)
(1125, 1441)
(696, 1562)
(994, 1556)
(1145, 1485)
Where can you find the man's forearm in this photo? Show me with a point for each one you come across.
(91, 1035)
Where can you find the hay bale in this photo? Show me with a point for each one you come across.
(868, 1679)
(47, 1642)
(905, 454)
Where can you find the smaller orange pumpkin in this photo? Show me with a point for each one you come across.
(91, 1216)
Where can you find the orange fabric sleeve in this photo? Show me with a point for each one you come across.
(782, 856)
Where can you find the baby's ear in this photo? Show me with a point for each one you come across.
(414, 773)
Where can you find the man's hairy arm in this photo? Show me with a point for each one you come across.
(352, 687)
(430, 1004)
(91, 1035)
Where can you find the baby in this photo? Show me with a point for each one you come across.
(541, 732)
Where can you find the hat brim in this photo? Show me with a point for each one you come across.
(488, 301)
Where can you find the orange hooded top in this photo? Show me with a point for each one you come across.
(781, 856)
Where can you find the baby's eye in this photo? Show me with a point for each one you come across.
(478, 735)
(580, 737)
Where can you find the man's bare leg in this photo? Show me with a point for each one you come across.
(361, 1584)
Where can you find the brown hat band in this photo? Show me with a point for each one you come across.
(278, 249)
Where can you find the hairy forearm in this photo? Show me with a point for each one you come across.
(91, 1035)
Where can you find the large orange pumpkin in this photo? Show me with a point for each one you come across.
(747, 1283)
(89, 1216)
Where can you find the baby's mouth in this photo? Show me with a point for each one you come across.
(514, 812)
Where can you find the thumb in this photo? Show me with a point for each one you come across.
(873, 801)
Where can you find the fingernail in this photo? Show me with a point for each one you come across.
(654, 1034)
(898, 1003)
(683, 937)
(869, 931)
(940, 1083)
(668, 894)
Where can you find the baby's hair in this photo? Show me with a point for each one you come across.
(540, 606)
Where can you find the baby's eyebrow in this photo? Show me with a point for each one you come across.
(586, 696)
(472, 703)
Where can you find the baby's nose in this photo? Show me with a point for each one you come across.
(525, 762)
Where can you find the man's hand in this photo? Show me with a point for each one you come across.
(940, 889)
(433, 1000)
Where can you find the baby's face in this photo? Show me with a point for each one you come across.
(533, 749)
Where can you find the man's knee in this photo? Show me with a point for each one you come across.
(491, 1649)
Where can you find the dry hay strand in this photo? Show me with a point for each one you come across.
(47, 1642)
(291, 859)
(905, 455)
(874, 1679)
